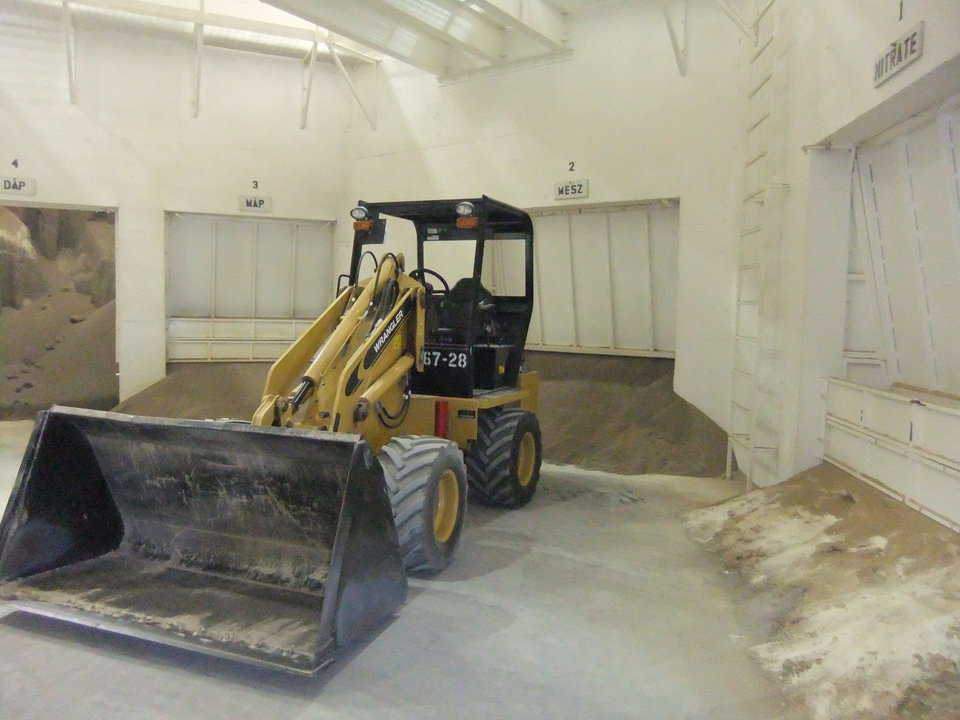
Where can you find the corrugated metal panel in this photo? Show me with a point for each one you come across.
(606, 279)
(243, 289)
(905, 286)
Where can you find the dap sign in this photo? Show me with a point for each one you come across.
(17, 186)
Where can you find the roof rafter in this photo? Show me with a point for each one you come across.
(451, 22)
(370, 26)
(537, 19)
(201, 17)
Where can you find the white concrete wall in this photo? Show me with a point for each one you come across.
(130, 143)
(620, 110)
(829, 50)
(834, 44)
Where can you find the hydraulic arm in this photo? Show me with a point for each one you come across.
(353, 361)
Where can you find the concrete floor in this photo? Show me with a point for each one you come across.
(589, 603)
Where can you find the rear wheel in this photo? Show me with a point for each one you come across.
(427, 483)
(503, 466)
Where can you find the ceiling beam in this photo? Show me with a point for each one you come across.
(528, 61)
(459, 28)
(197, 64)
(679, 49)
(353, 88)
(361, 23)
(537, 19)
(306, 79)
(749, 31)
(200, 17)
(467, 26)
(70, 39)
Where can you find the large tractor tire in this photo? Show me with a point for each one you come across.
(427, 483)
(503, 466)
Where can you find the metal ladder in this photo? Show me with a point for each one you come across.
(756, 393)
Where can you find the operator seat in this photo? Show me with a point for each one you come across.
(454, 311)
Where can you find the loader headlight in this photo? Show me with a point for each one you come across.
(359, 213)
(464, 208)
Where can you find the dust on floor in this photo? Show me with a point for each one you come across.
(866, 590)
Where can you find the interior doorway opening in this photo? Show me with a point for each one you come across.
(57, 309)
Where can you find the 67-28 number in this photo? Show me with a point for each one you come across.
(450, 359)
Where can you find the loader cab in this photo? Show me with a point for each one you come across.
(475, 259)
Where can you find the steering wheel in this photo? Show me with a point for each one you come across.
(418, 273)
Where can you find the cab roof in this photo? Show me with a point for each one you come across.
(504, 217)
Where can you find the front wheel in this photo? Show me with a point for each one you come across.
(427, 483)
(503, 465)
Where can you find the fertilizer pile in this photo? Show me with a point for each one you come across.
(57, 318)
(620, 414)
(865, 591)
(201, 391)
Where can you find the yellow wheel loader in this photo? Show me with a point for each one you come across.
(281, 540)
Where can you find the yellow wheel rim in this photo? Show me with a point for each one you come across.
(448, 506)
(526, 459)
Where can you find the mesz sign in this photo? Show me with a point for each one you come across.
(571, 189)
(901, 53)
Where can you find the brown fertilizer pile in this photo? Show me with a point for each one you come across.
(620, 414)
(202, 390)
(614, 414)
(860, 595)
(62, 362)
(57, 313)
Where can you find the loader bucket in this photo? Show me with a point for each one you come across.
(270, 546)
